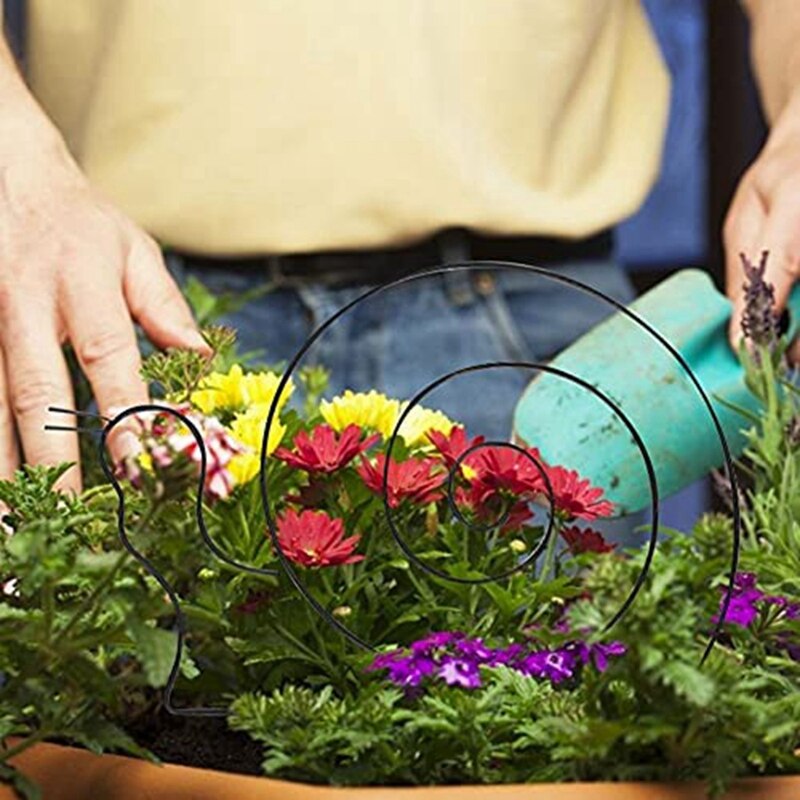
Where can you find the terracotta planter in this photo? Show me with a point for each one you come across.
(67, 773)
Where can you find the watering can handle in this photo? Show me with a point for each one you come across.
(794, 311)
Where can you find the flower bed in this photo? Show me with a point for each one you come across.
(418, 607)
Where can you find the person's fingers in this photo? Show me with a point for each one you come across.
(155, 301)
(37, 378)
(782, 240)
(780, 236)
(741, 235)
(9, 454)
(102, 334)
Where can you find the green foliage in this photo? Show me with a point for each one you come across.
(87, 636)
(63, 632)
(656, 714)
(177, 373)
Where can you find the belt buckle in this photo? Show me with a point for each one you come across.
(277, 277)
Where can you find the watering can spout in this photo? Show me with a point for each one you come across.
(634, 377)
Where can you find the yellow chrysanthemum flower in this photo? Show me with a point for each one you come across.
(371, 410)
(248, 429)
(420, 421)
(238, 390)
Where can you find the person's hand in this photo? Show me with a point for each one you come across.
(72, 268)
(765, 215)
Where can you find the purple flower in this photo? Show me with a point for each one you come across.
(410, 671)
(474, 649)
(759, 320)
(600, 653)
(456, 660)
(434, 641)
(404, 670)
(384, 660)
(744, 580)
(459, 672)
(741, 610)
(561, 625)
(557, 665)
(506, 656)
(579, 650)
(785, 643)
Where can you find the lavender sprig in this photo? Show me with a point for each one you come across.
(759, 320)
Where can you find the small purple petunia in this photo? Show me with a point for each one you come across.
(456, 660)
(557, 665)
(740, 611)
(384, 660)
(459, 672)
(506, 656)
(744, 580)
(579, 650)
(474, 649)
(601, 651)
(434, 641)
(410, 671)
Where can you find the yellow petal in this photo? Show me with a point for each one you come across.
(248, 429)
(237, 390)
(420, 421)
(371, 410)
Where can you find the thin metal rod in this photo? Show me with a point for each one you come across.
(76, 413)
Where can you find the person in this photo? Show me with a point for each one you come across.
(333, 146)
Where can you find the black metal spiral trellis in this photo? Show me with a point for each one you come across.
(285, 562)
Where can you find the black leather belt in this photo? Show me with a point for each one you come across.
(361, 267)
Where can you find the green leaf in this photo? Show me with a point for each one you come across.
(155, 648)
(26, 789)
(689, 681)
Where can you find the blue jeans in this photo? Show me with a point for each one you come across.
(402, 339)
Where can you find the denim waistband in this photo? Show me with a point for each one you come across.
(451, 246)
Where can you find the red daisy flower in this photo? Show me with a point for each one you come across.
(500, 468)
(586, 541)
(473, 499)
(323, 451)
(451, 447)
(313, 539)
(575, 497)
(417, 479)
(518, 516)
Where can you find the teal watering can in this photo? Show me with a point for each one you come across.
(574, 427)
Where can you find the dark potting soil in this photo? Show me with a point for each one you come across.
(200, 742)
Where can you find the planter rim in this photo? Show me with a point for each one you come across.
(70, 773)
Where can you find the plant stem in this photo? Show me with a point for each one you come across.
(48, 608)
(91, 599)
(20, 747)
(549, 553)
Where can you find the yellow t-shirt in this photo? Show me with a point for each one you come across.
(270, 126)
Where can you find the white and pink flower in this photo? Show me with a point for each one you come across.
(165, 440)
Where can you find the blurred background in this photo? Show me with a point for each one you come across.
(715, 130)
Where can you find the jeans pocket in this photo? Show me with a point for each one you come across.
(540, 316)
